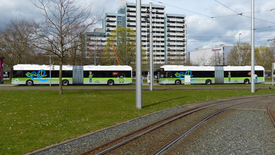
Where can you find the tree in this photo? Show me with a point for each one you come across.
(202, 60)
(60, 32)
(175, 58)
(216, 59)
(16, 43)
(266, 57)
(124, 40)
(240, 55)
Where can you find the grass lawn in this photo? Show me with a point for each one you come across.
(34, 119)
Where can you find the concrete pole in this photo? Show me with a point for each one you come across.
(252, 49)
(273, 64)
(50, 70)
(94, 51)
(151, 52)
(138, 57)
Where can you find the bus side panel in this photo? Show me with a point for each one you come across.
(22, 81)
(168, 80)
(19, 81)
(105, 80)
(193, 80)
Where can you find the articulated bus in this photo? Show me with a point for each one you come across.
(30, 74)
(175, 74)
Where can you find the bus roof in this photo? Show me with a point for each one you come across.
(228, 68)
(181, 67)
(207, 68)
(39, 67)
(68, 67)
(109, 68)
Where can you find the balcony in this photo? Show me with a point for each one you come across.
(131, 14)
(176, 29)
(131, 19)
(111, 24)
(110, 19)
(131, 9)
(160, 11)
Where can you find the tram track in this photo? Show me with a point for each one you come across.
(244, 129)
(120, 145)
(271, 112)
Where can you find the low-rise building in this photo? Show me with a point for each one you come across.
(211, 56)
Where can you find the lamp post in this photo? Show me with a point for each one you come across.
(94, 51)
(239, 48)
(240, 37)
(151, 53)
(252, 49)
(138, 56)
(50, 59)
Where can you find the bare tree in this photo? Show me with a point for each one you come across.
(266, 57)
(216, 58)
(175, 58)
(15, 43)
(123, 39)
(202, 61)
(240, 55)
(61, 30)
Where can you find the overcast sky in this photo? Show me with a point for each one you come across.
(209, 22)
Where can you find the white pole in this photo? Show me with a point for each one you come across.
(94, 50)
(138, 57)
(151, 52)
(50, 70)
(252, 50)
(273, 64)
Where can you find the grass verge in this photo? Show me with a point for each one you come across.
(34, 119)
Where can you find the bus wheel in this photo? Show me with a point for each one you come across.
(246, 81)
(65, 82)
(29, 83)
(177, 82)
(208, 81)
(110, 82)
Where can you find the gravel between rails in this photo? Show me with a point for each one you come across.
(237, 132)
(91, 140)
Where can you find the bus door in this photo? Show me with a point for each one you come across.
(78, 74)
(219, 74)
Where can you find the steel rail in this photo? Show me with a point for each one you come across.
(172, 118)
(192, 128)
(272, 117)
(143, 128)
(158, 126)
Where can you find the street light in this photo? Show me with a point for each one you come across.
(239, 37)
(252, 48)
(239, 49)
(95, 44)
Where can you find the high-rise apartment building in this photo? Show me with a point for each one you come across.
(169, 32)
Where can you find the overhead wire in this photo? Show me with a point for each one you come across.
(182, 8)
(242, 14)
(227, 7)
(215, 17)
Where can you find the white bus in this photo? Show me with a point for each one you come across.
(30, 74)
(175, 74)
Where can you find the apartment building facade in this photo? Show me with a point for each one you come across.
(169, 32)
